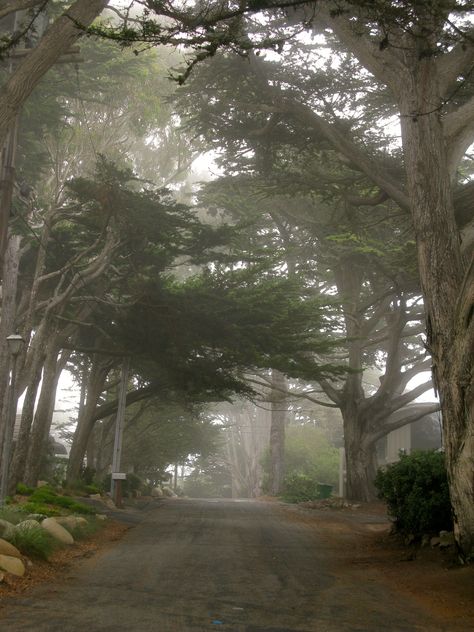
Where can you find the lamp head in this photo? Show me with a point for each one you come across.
(15, 343)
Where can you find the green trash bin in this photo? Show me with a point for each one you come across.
(324, 491)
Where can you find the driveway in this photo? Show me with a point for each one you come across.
(239, 566)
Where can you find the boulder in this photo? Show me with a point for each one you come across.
(8, 549)
(434, 542)
(7, 529)
(446, 539)
(169, 493)
(36, 516)
(157, 492)
(12, 565)
(101, 516)
(71, 522)
(42, 484)
(95, 496)
(57, 531)
(28, 524)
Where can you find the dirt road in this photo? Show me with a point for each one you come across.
(218, 565)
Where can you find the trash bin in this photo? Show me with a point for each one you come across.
(324, 491)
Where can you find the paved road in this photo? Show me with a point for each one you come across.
(206, 565)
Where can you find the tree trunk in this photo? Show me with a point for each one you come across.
(53, 368)
(59, 37)
(277, 434)
(448, 299)
(85, 423)
(22, 443)
(7, 322)
(361, 458)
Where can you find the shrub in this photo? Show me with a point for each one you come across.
(81, 531)
(46, 495)
(39, 508)
(34, 541)
(298, 488)
(12, 514)
(417, 494)
(24, 490)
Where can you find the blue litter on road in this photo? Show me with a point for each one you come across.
(217, 622)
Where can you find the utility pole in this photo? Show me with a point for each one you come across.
(117, 476)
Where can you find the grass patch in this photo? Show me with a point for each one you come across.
(47, 496)
(13, 515)
(34, 542)
(40, 508)
(24, 490)
(82, 531)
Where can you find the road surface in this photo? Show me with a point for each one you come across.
(216, 565)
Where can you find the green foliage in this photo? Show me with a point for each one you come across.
(34, 542)
(309, 461)
(47, 496)
(298, 488)
(13, 514)
(24, 490)
(40, 508)
(416, 492)
(82, 531)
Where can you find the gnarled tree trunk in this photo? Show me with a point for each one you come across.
(277, 433)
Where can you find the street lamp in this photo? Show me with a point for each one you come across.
(15, 343)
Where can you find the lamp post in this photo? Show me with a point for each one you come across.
(15, 343)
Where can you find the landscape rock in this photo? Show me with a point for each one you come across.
(12, 565)
(8, 549)
(36, 516)
(7, 529)
(71, 522)
(57, 531)
(446, 538)
(101, 516)
(169, 493)
(435, 542)
(95, 496)
(27, 524)
(42, 484)
(157, 492)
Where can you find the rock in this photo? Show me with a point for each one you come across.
(8, 549)
(36, 516)
(7, 529)
(425, 540)
(42, 484)
(57, 531)
(446, 538)
(12, 565)
(101, 516)
(434, 542)
(28, 524)
(95, 496)
(157, 492)
(2, 577)
(167, 491)
(71, 522)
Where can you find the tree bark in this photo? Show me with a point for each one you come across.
(53, 368)
(447, 286)
(85, 423)
(277, 433)
(7, 322)
(57, 40)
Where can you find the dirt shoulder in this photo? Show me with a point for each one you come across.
(360, 539)
(41, 571)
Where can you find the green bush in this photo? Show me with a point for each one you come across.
(34, 541)
(46, 495)
(417, 494)
(24, 490)
(299, 488)
(12, 514)
(39, 508)
(81, 531)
